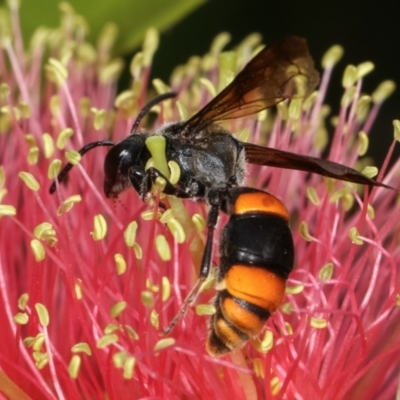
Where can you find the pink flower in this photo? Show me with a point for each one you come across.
(87, 284)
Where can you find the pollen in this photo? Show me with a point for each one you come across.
(33, 155)
(74, 366)
(165, 288)
(68, 203)
(209, 86)
(37, 342)
(41, 359)
(100, 227)
(48, 145)
(199, 222)
(107, 340)
(338, 194)
(370, 171)
(166, 216)
(157, 145)
(21, 318)
(124, 100)
(55, 105)
(267, 342)
(138, 251)
(289, 328)
(63, 138)
(177, 230)
(110, 72)
(38, 250)
(45, 232)
(287, 308)
(275, 386)
(205, 309)
(396, 130)
(148, 215)
(81, 348)
(152, 286)
(175, 172)
(129, 367)
(296, 289)
(154, 319)
(111, 328)
(150, 45)
(131, 332)
(383, 91)
(349, 76)
(30, 140)
(119, 359)
(7, 210)
(23, 301)
(370, 211)
(43, 314)
(326, 272)
(130, 233)
(56, 72)
(299, 91)
(219, 42)
(295, 109)
(120, 263)
(29, 180)
(164, 343)
(54, 169)
(163, 248)
(332, 56)
(312, 195)
(258, 368)
(318, 323)
(363, 143)
(147, 298)
(303, 229)
(73, 157)
(99, 118)
(355, 237)
(118, 308)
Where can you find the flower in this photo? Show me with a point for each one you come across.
(88, 284)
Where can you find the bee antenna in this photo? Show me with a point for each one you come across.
(64, 172)
(149, 105)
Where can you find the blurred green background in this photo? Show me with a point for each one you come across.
(367, 30)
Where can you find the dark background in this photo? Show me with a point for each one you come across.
(368, 31)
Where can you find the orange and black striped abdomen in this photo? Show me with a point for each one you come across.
(257, 255)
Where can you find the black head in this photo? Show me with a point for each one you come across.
(122, 158)
(124, 165)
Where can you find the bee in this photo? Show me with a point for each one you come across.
(256, 245)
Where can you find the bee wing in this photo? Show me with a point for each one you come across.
(283, 159)
(280, 71)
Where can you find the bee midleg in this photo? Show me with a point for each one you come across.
(212, 220)
(153, 173)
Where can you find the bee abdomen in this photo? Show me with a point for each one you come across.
(256, 257)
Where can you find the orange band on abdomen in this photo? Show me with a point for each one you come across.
(256, 285)
(260, 202)
(245, 320)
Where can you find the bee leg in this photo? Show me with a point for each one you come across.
(204, 269)
(152, 174)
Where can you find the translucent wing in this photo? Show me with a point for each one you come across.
(280, 71)
(284, 159)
